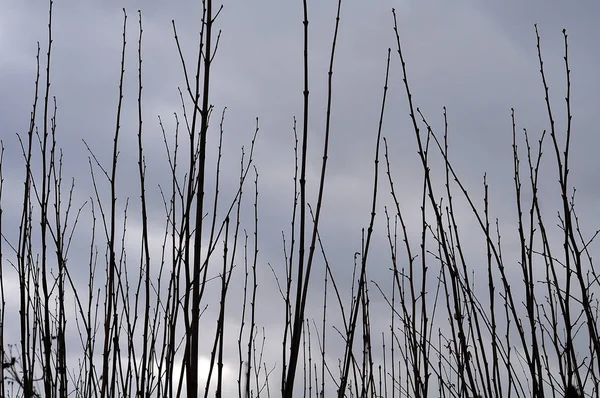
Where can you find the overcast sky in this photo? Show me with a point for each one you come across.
(477, 58)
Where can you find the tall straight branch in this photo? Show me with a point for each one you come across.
(109, 327)
(299, 313)
(24, 240)
(303, 280)
(145, 244)
(192, 370)
(46, 334)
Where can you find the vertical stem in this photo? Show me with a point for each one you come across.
(110, 320)
(197, 284)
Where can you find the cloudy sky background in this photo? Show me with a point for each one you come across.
(476, 58)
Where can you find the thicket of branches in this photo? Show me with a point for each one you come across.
(139, 320)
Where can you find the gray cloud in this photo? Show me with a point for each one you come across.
(476, 58)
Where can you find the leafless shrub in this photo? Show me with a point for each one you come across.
(140, 326)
